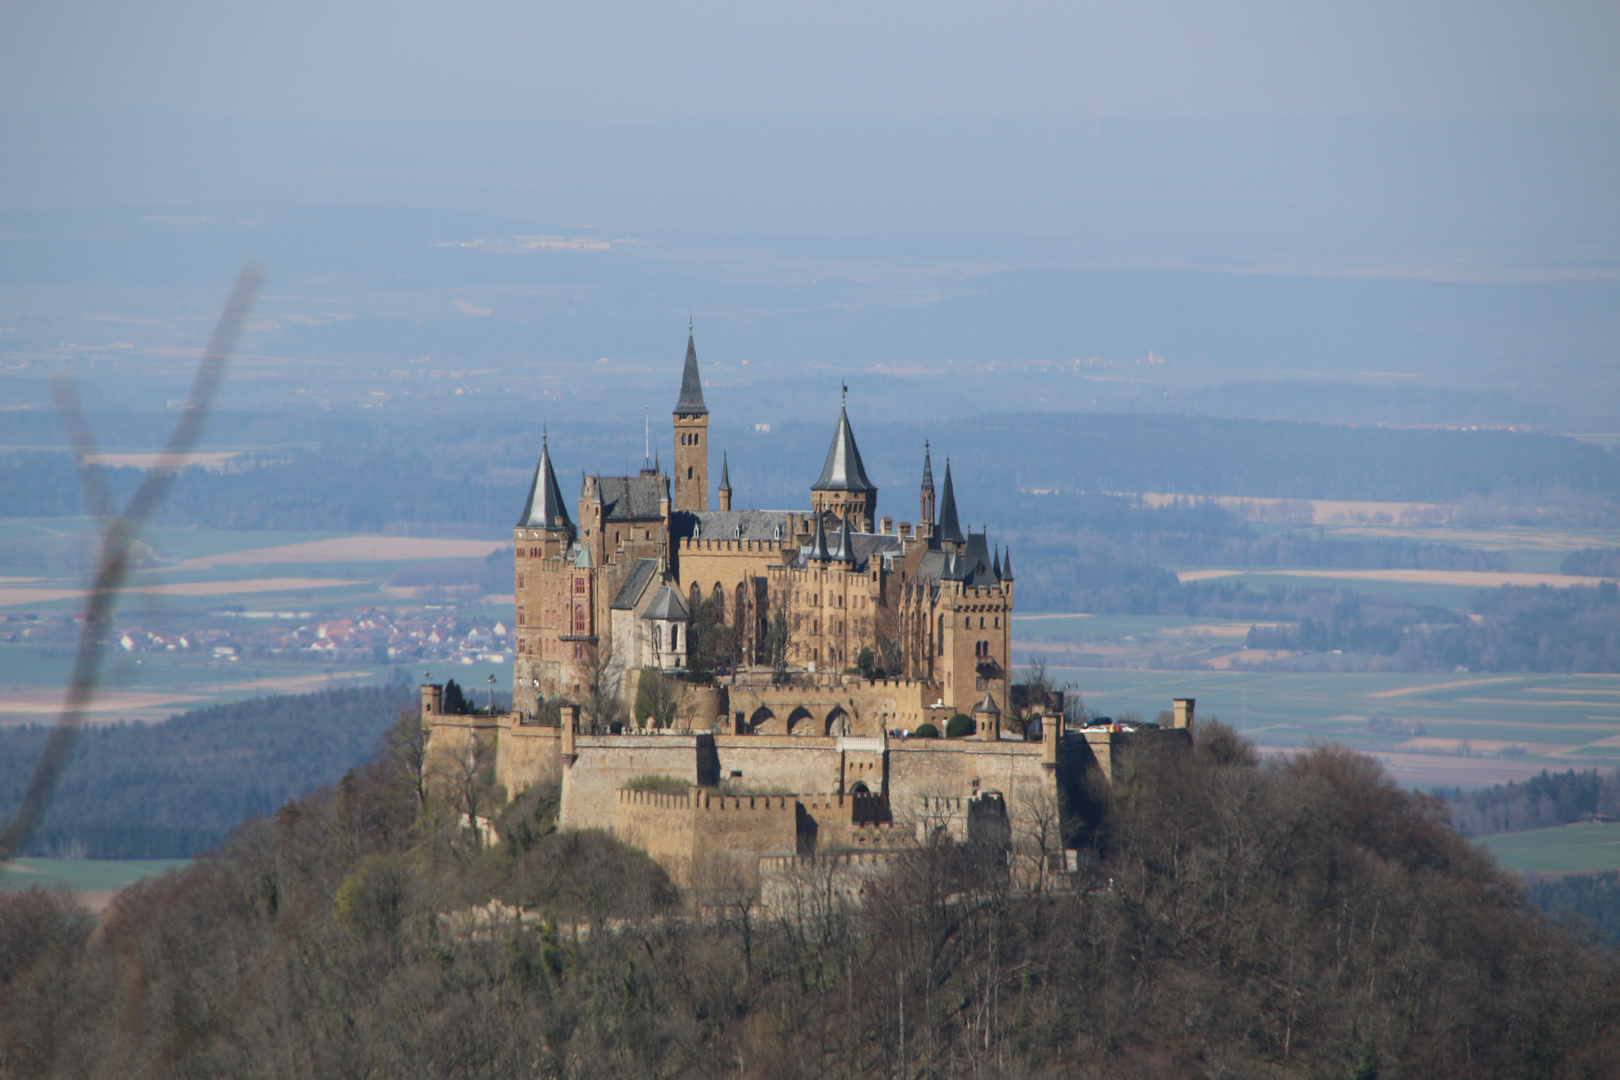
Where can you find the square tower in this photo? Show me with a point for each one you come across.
(691, 438)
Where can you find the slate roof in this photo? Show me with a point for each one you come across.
(544, 508)
(723, 525)
(949, 527)
(863, 548)
(631, 498)
(844, 470)
(666, 605)
(974, 566)
(691, 399)
(640, 573)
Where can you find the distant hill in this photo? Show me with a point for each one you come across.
(171, 790)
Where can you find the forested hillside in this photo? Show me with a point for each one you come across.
(1301, 918)
(171, 790)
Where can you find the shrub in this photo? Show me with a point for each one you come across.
(659, 782)
(959, 725)
(926, 731)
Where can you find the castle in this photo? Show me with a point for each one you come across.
(811, 590)
(797, 650)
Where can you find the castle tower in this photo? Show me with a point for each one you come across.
(691, 437)
(725, 483)
(540, 540)
(925, 513)
(950, 530)
(843, 487)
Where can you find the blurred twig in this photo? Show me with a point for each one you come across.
(120, 534)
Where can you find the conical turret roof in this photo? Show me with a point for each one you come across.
(949, 527)
(843, 470)
(818, 546)
(1006, 565)
(725, 473)
(545, 508)
(928, 470)
(691, 400)
(846, 547)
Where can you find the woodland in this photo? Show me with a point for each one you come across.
(1230, 918)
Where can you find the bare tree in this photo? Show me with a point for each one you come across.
(601, 686)
(779, 645)
(468, 779)
(405, 747)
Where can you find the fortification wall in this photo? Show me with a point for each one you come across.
(809, 886)
(661, 825)
(872, 706)
(731, 832)
(787, 762)
(607, 762)
(959, 767)
(528, 754)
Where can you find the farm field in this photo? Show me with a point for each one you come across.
(1430, 730)
(94, 881)
(1564, 849)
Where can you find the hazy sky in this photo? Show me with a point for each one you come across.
(638, 61)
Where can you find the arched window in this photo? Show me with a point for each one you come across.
(658, 640)
(695, 598)
(675, 639)
(579, 618)
(689, 472)
(718, 599)
(942, 635)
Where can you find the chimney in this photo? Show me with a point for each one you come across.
(432, 699)
(905, 530)
(1184, 712)
(885, 525)
(569, 718)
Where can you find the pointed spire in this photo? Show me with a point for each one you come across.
(545, 508)
(1006, 565)
(928, 469)
(949, 528)
(996, 565)
(846, 547)
(844, 470)
(818, 546)
(691, 399)
(725, 473)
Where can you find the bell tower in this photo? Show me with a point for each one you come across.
(691, 437)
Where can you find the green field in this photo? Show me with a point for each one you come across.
(1430, 729)
(1559, 850)
(81, 875)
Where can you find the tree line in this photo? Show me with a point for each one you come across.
(1297, 918)
(177, 788)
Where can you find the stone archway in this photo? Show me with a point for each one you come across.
(838, 722)
(860, 788)
(764, 722)
(801, 722)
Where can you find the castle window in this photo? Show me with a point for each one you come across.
(689, 472)
(981, 622)
(520, 581)
(942, 635)
(998, 622)
(675, 639)
(658, 639)
(579, 619)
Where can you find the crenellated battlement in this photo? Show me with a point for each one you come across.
(724, 546)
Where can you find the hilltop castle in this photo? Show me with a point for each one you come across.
(623, 583)
(844, 633)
